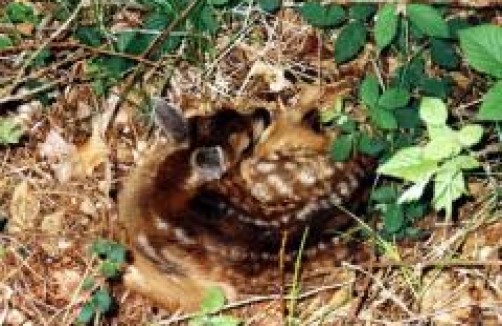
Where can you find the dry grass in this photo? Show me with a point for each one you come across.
(59, 193)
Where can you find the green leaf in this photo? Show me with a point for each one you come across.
(41, 59)
(213, 301)
(441, 131)
(434, 87)
(362, 11)
(199, 321)
(440, 148)
(109, 269)
(102, 300)
(350, 41)
(369, 91)
(449, 185)
(270, 5)
(433, 111)
(409, 164)
(101, 247)
(204, 19)
(317, 15)
(10, 131)
(386, 25)
(88, 284)
(117, 253)
(86, 313)
(19, 12)
(407, 117)
(5, 42)
(395, 97)
(410, 75)
(428, 20)
(217, 2)
(383, 119)
(224, 321)
(456, 25)
(384, 194)
(342, 148)
(444, 55)
(393, 218)
(491, 109)
(89, 35)
(370, 146)
(414, 192)
(470, 135)
(329, 115)
(464, 162)
(482, 46)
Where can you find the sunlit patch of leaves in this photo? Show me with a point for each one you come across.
(208, 315)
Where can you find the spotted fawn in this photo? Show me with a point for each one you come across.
(217, 203)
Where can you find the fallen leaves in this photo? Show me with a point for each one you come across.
(24, 208)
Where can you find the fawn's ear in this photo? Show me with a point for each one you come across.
(208, 162)
(170, 119)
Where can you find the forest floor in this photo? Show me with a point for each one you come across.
(78, 132)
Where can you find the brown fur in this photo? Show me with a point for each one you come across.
(188, 236)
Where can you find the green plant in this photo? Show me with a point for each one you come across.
(112, 256)
(211, 304)
(482, 46)
(442, 159)
(10, 131)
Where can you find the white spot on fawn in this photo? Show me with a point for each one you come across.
(280, 186)
(265, 167)
(144, 245)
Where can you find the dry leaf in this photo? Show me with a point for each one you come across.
(68, 282)
(26, 29)
(53, 223)
(88, 208)
(273, 75)
(24, 208)
(55, 146)
(90, 155)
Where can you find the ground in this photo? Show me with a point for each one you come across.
(59, 182)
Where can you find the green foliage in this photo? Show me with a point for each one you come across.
(99, 303)
(398, 218)
(443, 54)
(428, 20)
(342, 148)
(5, 42)
(482, 46)
(20, 12)
(440, 160)
(270, 6)
(350, 41)
(362, 11)
(10, 131)
(113, 255)
(491, 108)
(322, 16)
(394, 97)
(213, 301)
(386, 25)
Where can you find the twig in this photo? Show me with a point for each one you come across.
(152, 48)
(33, 92)
(265, 298)
(54, 35)
(72, 45)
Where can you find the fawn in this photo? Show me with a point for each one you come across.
(216, 204)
